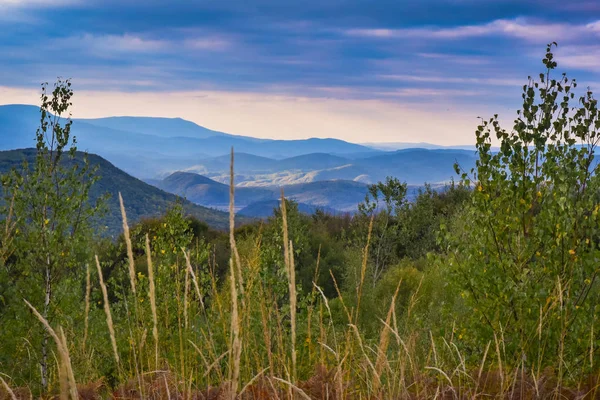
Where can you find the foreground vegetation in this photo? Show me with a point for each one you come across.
(485, 289)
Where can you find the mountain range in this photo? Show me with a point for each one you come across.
(337, 196)
(185, 159)
(413, 166)
(149, 148)
(146, 147)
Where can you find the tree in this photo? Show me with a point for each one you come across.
(527, 256)
(50, 209)
(273, 272)
(391, 195)
(423, 217)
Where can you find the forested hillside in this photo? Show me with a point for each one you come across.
(142, 200)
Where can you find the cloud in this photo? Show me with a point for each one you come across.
(35, 3)
(582, 57)
(209, 43)
(520, 28)
(106, 45)
(450, 79)
(20, 11)
(429, 93)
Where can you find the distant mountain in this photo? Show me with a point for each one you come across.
(141, 199)
(18, 125)
(154, 148)
(332, 195)
(121, 139)
(413, 166)
(202, 190)
(340, 195)
(393, 146)
(243, 162)
(266, 208)
(311, 162)
(163, 127)
(418, 166)
(251, 164)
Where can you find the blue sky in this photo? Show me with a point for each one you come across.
(363, 70)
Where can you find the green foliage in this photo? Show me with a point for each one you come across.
(391, 195)
(273, 272)
(50, 219)
(422, 218)
(526, 253)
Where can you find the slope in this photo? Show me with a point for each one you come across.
(141, 199)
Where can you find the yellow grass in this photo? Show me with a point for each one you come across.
(109, 320)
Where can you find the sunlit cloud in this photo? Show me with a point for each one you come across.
(284, 117)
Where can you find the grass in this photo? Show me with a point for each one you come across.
(244, 344)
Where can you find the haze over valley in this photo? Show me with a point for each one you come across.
(183, 158)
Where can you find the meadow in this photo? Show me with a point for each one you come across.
(484, 289)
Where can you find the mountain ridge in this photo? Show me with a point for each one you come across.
(108, 137)
(141, 199)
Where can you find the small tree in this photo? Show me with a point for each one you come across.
(50, 209)
(527, 257)
(390, 194)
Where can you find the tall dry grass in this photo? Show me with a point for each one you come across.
(236, 343)
(128, 244)
(68, 386)
(288, 254)
(109, 320)
(152, 296)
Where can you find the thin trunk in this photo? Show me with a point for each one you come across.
(44, 362)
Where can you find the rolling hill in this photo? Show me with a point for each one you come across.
(141, 199)
(202, 190)
(336, 195)
(413, 166)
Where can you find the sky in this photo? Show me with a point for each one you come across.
(360, 70)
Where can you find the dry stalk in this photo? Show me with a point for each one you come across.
(128, 244)
(8, 389)
(234, 250)
(384, 341)
(236, 345)
(363, 269)
(152, 293)
(288, 251)
(65, 369)
(88, 287)
(109, 321)
(193, 275)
